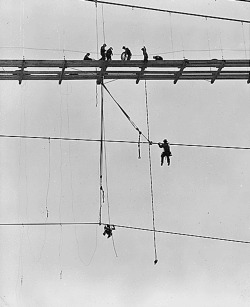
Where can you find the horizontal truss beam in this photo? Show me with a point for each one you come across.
(174, 70)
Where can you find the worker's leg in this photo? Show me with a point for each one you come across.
(168, 159)
(162, 158)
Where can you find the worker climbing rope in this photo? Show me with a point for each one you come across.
(166, 151)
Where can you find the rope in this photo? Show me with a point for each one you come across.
(126, 115)
(139, 146)
(101, 160)
(171, 34)
(103, 25)
(106, 179)
(97, 50)
(47, 193)
(150, 174)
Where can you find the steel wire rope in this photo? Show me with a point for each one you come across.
(120, 141)
(128, 227)
(169, 11)
(150, 173)
(126, 115)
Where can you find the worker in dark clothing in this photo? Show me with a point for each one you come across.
(109, 54)
(103, 52)
(166, 151)
(145, 54)
(108, 230)
(86, 57)
(126, 55)
(158, 58)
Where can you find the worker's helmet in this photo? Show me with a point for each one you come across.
(88, 54)
(165, 141)
(123, 47)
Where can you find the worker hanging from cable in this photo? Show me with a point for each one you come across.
(108, 229)
(145, 54)
(166, 151)
(126, 55)
(103, 52)
(86, 57)
(109, 54)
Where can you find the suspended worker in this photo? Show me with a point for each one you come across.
(166, 151)
(158, 58)
(86, 57)
(126, 55)
(108, 230)
(109, 54)
(103, 52)
(145, 54)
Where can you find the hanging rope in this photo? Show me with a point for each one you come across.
(150, 174)
(101, 160)
(107, 189)
(47, 193)
(139, 146)
(97, 50)
(103, 25)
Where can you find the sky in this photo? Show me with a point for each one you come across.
(205, 191)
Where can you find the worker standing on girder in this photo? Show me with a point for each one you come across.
(103, 52)
(126, 55)
(108, 230)
(109, 54)
(166, 151)
(145, 54)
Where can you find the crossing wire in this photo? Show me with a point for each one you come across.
(120, 141)
(170, 11)
(128, 227)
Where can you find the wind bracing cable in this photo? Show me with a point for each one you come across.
(127, 116)
(150, 174)
(169, 11)
(119, 141)
(128, 227)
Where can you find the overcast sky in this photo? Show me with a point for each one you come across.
(205, 191)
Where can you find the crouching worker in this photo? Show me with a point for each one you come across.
(166, 151)
(108, 230)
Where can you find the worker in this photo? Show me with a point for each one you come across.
(86, 57)
(109, 54)
(158, 58)
(166, 151)
(145, 54)
(103, 52)
(108, 230)
(126, 55)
